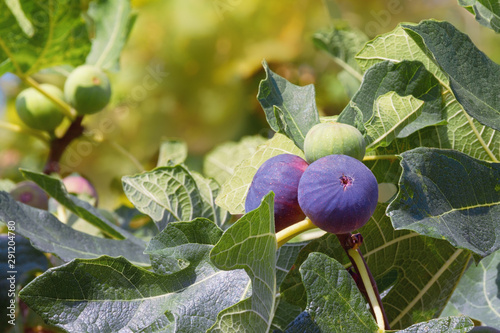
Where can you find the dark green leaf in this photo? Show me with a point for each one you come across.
(416, 274)
(75, 296)
(487, 12)
(455, 53)
(334, 301)
(290, 109)
(48, 234)
(442, 325)
(26, 261)
(250, 244)
(477, 295)
(166, 194)
(449, 195)
(284, 315)
(113, 20)
(55, 188)
(60, 36)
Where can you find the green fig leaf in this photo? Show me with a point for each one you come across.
(290, 109)
(449, 195)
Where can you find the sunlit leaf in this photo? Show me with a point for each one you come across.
(113, 20)
(60, 36)
(234, 191)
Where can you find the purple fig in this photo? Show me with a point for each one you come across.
(79, 185)
(30, 194)
(338, 193)
(280, 174)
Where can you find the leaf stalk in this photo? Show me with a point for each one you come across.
(294, 230)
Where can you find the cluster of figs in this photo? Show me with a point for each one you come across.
(87, 89)
(332, 187)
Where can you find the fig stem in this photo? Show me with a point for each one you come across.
(59, 145)
(19, 129)
(294, 230)
(379, 157)
(63, 106)
(373, 297)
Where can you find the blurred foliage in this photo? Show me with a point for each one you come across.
(191, 70)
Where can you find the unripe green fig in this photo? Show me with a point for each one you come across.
(38, 111)
(87, 89)
(30, 194)
(333, 138)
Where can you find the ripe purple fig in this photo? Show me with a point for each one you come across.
(78, 185)
(333, 138)
(30, 194)
(338, 193)
(280, 174)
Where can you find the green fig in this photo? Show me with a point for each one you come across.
(38, 111)
(333, 138)
(87, 89)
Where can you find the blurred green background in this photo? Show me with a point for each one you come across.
(191, 70)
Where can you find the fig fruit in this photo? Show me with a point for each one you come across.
(30, 194)
(338, 193)
(87, 89)
(280, 174)
(333, 138)
(38, 111)
(79, 185)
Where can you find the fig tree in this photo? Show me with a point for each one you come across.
(38, 111)
(87, 89)
(30, 194)
(333, 138)
(338, 193)
(79, 185)
(280, 174)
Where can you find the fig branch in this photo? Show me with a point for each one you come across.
(58, 145)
